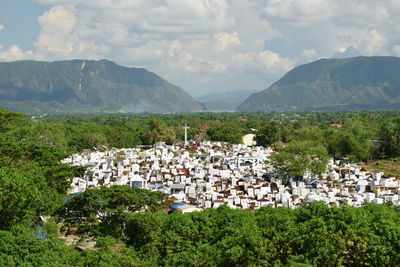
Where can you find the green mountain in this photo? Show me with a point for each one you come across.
(87, 86)
(333, 84)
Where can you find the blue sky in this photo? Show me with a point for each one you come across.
(203, 46)
(19, 18)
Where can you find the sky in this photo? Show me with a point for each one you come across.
(203, 46)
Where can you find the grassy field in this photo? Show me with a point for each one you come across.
(389, 167)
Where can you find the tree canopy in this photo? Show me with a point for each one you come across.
(107, 205)
(297, 157)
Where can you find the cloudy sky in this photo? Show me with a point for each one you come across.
(203, 46)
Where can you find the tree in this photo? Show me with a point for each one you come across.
(268, 134)
(20, 247)
(9, 119)
(107, 206)
(297, 157)
(95, 139)
(158, 132)
(389, 135)
(21, 197)
(310, 133)
(229, 131)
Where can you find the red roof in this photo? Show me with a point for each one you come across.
(183, 171)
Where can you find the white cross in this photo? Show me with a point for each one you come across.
(186, 128)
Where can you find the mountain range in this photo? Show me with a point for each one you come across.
(333, 84)
(88, 86)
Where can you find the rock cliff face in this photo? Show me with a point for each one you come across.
(333, 84)
(87, 86)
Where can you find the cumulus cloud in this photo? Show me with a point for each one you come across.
(196, 39)
(179, 57)
(199, 43)
(305, 13)
(344, 52)
(366, 25)
(309, 53)
(15, 53)
(56, 36)
(266, 61)
(225, 40)
(1, 27)
(375, 43)
(158, 16)
(301, 13)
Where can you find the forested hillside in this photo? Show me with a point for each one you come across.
(333, 84)
(89, 86)
(33, 182)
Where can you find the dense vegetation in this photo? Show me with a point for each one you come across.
(131, 226)
(361, 135)
(87, 86)
(333, 84)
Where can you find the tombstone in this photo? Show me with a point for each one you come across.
(369, 196)
(377, 201)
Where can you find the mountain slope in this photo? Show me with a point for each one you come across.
(87, 86)
(333, 84)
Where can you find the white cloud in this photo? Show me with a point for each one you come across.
(199, 43)
(309, 53)
(195, 39)
(15, 53)
(1, 27)
(301, 13)
(396, 50)
(305, 13)
(266, 61)
(225, 40)
(56, 36)
(366, 25)
(179, 57)
(158, 16)
(375, 43)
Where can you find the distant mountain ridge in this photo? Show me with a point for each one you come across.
(88, 86)
(224, 101)
(333, 84)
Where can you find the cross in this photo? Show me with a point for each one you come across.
(186, 128)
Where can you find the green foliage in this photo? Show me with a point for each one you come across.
(8, 119)
(108, 205)
(389, 134)
(33, 182)
(297, 157)
(20, 197)
(20, 247)
(312, 235)
(158, 132)
(269, 134)
(230, 132)
(216, 237)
